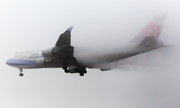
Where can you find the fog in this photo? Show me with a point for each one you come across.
(144, 81)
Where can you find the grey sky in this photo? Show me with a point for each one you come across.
(36, 25)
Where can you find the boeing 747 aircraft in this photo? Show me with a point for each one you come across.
(64, 55)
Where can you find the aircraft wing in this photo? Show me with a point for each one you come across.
(65, 38)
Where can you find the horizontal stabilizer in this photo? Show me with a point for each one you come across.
(168, 45)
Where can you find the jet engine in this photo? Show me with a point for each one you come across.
(56, 50)
(50, 52)
(42, 61)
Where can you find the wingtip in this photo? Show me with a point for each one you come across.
(69, 29)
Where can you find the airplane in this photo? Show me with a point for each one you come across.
(71, 60)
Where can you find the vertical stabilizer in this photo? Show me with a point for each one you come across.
(153, 28)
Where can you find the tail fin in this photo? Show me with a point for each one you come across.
(153, 28)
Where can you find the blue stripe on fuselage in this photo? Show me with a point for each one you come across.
(18, 62)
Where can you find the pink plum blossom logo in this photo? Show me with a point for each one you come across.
(151, 30)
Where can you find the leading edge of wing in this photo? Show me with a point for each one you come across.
(69, 29)
(65, 38)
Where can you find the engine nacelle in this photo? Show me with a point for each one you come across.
(42, 61)
(56, 50)
(50, 52)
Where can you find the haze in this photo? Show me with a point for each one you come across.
(149, 80)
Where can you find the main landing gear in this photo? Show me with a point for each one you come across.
(21, 74)
(65, 69)
(81, 70)
(77, 69)
(81, 74)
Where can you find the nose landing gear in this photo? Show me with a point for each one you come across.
(21, 74)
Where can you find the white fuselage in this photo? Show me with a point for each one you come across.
(90, 58)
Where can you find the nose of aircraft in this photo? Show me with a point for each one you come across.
(9, 62)
(13, 62)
